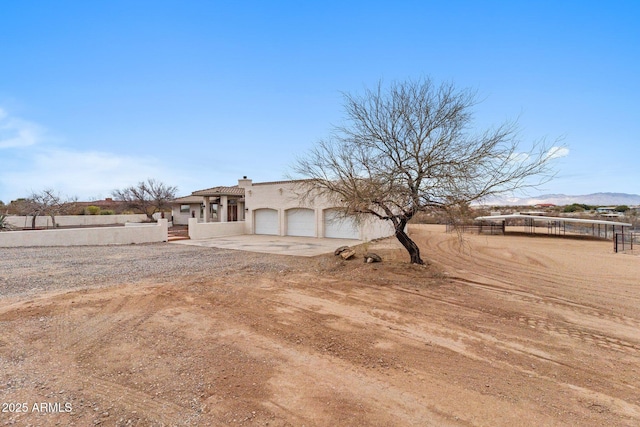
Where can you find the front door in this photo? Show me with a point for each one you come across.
(232, 213)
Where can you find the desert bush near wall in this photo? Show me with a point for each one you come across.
(97, 210)
(92, 210)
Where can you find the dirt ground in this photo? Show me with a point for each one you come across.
(497, 331)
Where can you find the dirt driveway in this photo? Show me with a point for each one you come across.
(507, 331)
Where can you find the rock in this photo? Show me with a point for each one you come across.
(347, 253)
(371, 257)
(340, 250)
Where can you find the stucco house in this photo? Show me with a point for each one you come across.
(272, 208)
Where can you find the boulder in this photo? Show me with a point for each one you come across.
(347, 253)
(340, 250)
(371, 257)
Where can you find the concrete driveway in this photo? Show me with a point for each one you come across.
(282, 245)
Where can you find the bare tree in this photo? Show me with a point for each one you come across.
(147, 197)
(410, 148)
(48, 202)
(4, 224)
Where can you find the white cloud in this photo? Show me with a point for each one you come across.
(29, 162)
(557, 152)
(76, 173)
(552, 153)
(15, 132)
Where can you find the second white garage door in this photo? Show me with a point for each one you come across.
(301, 222)
(338, 227)
(266, 221)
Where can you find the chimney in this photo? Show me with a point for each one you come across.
(244, 182)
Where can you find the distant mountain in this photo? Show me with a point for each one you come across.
(597, 199)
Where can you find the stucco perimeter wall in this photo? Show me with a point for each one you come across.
(75, 220)
(87, 236)
(206, 230)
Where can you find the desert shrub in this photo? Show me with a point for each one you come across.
(622, 208)
(93, 210)
(577, 207)
(107, 212)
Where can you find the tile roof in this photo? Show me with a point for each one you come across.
(187, 200)
(220, 191)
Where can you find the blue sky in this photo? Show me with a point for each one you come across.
(96, 96)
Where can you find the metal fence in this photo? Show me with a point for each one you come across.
(477, 229)
(623, 242)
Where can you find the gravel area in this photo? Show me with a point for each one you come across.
(27, 271)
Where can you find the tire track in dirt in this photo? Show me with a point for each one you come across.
(98, 319)
(389, 320)
(588, 337)
(464, 343)
(392, 403)
(500, 268)
(136, 401)
(573, 313)
(105, 322)
(558, 328)
(492, 270)
(504, 264)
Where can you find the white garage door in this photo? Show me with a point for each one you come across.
(338, 227)
(301, 222)
(266, 221)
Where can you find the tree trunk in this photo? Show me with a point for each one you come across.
(410, 245)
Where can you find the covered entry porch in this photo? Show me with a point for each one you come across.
(222, 204)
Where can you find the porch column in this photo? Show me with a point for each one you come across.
(206, 209)
(222, 211)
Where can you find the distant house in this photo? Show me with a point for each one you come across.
(605, 209)
(608, 212)
(544, 205)
(275, 208)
